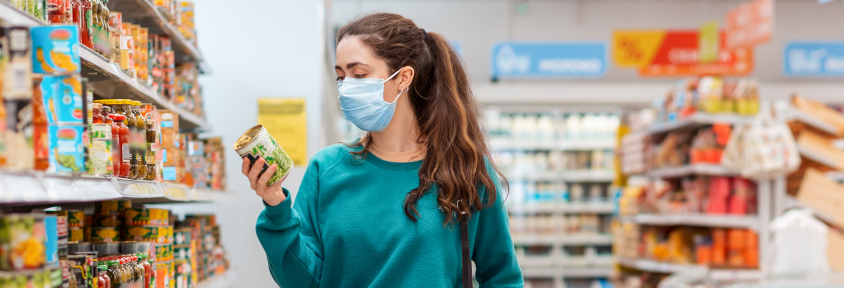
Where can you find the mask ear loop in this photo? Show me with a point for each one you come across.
(401, 92)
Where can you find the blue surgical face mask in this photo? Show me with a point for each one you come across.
(362, 102)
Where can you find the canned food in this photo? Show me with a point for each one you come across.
(145, 233)
(163, 252)
(165, 217)
(106, 208)
(105, 249)
(62, 232)
(107, 221)
(26, 248)
(76, 235)
(102, 159)
(55, 50)
(139, 217)
(89, 220)
(181, 273)
(181, 252)
(181, 236)
(104, 234)
(122, 206)
(75, 218)
(79, 247)
(257, 143)
(86, 233)
(168, 236)
(163, 272)
(134, 247)
(67, 148)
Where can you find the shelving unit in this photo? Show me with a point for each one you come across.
(108, 80)
(756, 222)
(568, 176)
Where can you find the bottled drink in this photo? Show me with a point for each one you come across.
(147, 271)
(103, 281)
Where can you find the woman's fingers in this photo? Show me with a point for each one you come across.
(245, 167)
(262, 182)
(254, 172)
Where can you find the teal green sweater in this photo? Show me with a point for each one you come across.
(348, 229)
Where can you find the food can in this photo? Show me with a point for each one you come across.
(163, 270)
(102, 160)
(89, 220)
(127, 48)
(181, 236)
(165, 217)
(122, 206)
(163, 252)
(258, 143)
(63, 234)
(107, 221)
(134, 247)
(104, 234)
(144, 233)
(105, 249)
(67, 148)
(86, 233)
(23, 233)
(106, 208)
(79, 247)
(55, 50)
(76, 235)
(75, 218)
(181, 252)
(181, 273)
(139, 217)
(51, 240)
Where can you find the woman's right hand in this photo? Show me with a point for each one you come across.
(272, 195)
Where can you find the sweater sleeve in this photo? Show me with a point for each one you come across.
(290, 236)
(494, 255)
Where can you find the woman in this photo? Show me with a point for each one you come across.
(381, 212)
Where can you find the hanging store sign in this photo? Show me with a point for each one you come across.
(549, 60)
(750, 24)
(675, 53)
(814, 59)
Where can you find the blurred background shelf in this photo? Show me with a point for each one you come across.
(700, 220)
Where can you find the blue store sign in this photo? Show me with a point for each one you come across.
(549, 60)
(814, 59)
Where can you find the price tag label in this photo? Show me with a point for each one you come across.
(177, 193)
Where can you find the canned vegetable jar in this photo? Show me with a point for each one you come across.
(258, 143)
(104, 234)
(55, 50)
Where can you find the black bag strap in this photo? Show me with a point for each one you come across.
(464, 243)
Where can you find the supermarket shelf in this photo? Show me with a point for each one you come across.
(698, 120)
(109, 81)
(515, 146)
(563, 239)
(587, 145)
(40, 188)
(144, 13)
(669, 268)
(813, 121)
(586, 207)
(815, 156)
(568, 176)
(694, 169)
(224, 280)
(701, 220)
(106, 78)
(564, 145)
(566, 272)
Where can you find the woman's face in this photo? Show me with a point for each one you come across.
(356, 60)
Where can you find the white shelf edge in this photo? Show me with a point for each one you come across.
(562, 145)
(668, 268)
(225, 280)
(596, 272)
(586, 207)
(698, 119)
(563, 239)
(702, 220)
(566, 175)
(694, 169)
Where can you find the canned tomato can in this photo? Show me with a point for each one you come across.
(55, 50)
(258, 143)
(104, 234)
(75, 218)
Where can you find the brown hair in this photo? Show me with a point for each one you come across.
(448, 117)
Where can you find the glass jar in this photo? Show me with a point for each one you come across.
(150, 135)
(123, 144)
(140, 140)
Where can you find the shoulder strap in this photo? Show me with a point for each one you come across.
(464, 243)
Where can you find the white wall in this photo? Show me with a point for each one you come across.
(257, 48)
(479, 24)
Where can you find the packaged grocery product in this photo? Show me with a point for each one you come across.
(145, 233)
(258, 143)
(67, 148)
(56, 50)
(51, 240)
(62, 232)
(182, 236)
(63, 100)
(104, 234)
(181, 252)
(122, 206)
(162, 271)
(127, 49)
(40, 131)
(22, 238)
(17, 97)
(106, 208)
(181, 273)
(76, 234)
(107, 221)
(102, 161)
